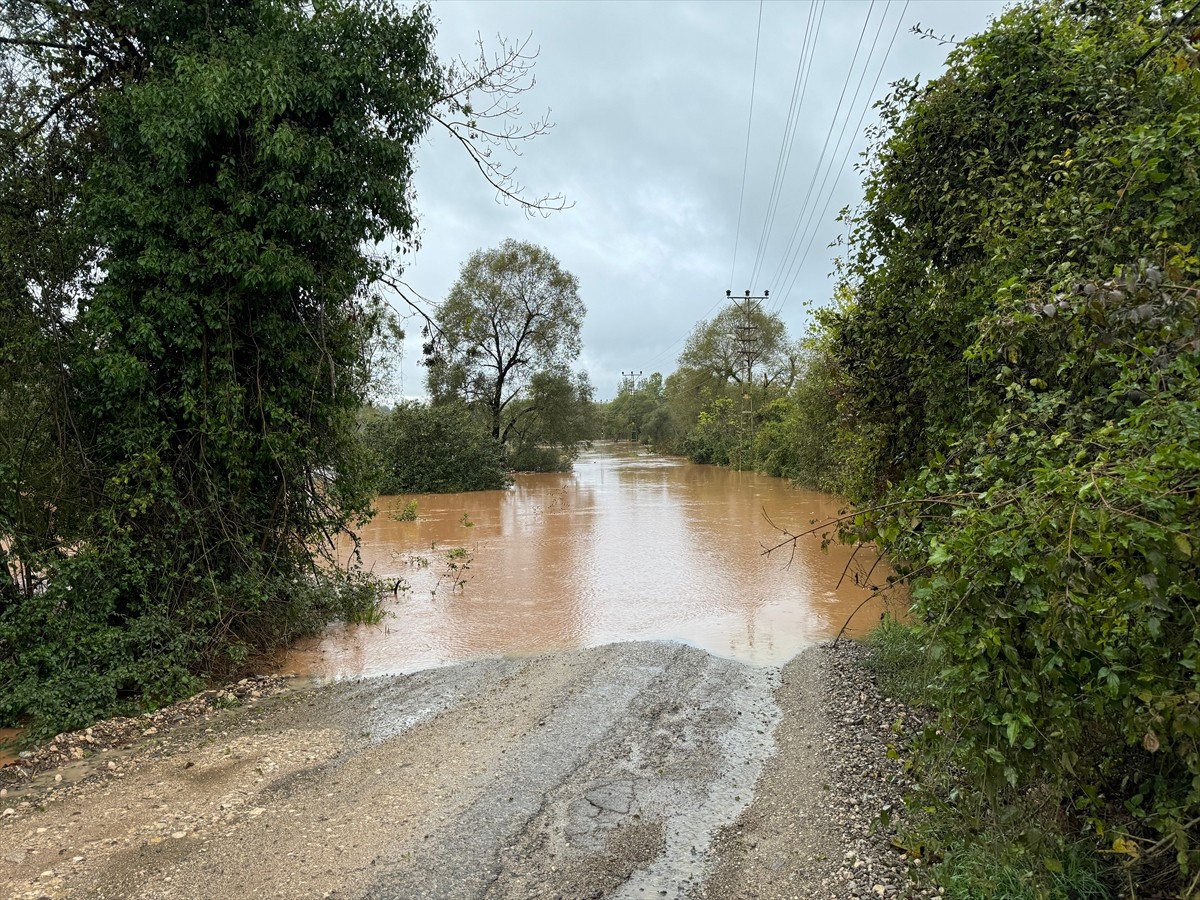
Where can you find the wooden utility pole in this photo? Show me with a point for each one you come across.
(631, 384)
(745, 332)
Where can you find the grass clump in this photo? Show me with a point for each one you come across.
(900, 660)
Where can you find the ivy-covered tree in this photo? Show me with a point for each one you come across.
(195, 198)
(235, 169)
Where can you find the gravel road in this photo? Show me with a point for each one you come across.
(634, 770)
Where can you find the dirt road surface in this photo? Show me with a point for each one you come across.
(635, 770)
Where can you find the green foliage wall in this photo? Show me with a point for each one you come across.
(1019, 357)
(1042, 149)
(209, 378)
(720, 436)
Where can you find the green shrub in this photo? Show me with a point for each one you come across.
(720, 437)
(423, 449)
(1018, 360)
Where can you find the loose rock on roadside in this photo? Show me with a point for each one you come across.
(123, 732)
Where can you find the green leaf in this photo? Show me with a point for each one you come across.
(1183, 544)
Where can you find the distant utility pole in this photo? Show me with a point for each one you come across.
(745, 332)
(631, 385)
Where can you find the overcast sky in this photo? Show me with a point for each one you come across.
(650, 104)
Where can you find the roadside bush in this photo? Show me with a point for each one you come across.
(1061, 580)
(422, 449)
(719, 437)
(1020, 346)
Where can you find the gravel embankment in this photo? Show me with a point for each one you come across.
(626, 771)
(814, 829)
(124, 732)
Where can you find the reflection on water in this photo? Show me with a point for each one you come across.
(627, 547)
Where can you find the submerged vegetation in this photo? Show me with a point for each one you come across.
(422, 449)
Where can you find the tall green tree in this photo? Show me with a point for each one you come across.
(513, 316)
(742, 354)
(738, 339)
(551, 421)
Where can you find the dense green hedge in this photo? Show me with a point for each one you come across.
(1019, 361)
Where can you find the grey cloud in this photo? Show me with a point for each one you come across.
(650, 102)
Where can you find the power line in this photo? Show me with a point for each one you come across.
(1180, 19)
(746, 161)
(817, 168)
(742, 195)
(799, 91)
(857, 129)
(813, 221)
(800, 84)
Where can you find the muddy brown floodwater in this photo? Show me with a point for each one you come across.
(628, 546)
(8, 745)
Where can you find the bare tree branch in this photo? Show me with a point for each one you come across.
(481, 109)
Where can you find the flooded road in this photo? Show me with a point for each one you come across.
(627, 547)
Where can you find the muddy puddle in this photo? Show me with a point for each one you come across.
(628, 546)
(8, 745)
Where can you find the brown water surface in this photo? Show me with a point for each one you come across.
(8, 744)
(627, 547)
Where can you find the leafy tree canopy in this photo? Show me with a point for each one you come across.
(551, 421)
(740, 336)
(639, 413)
(510, 324)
